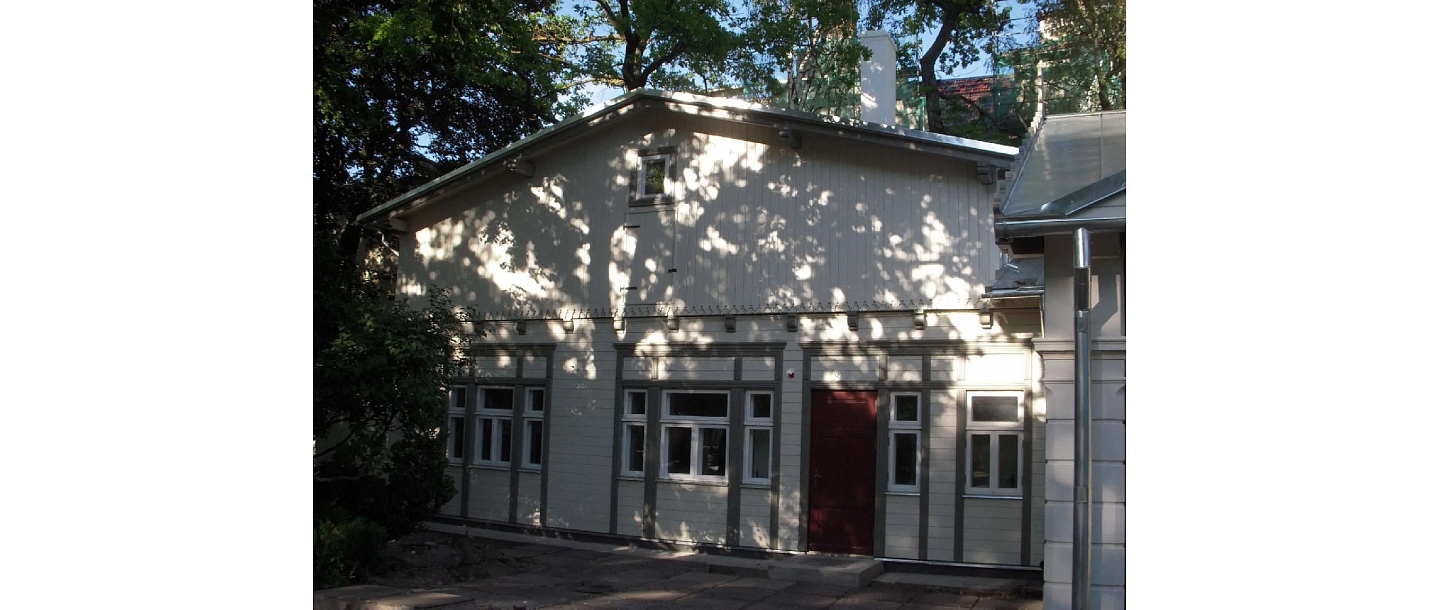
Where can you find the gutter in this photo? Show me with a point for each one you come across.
(1081, 552)
(1011, 229)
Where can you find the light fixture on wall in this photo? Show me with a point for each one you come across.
(792, 322)
(852, 319)
(730, 323)
(790, 135)
(619, 324)
(568, 323)
(987, 318)
(919, 319)
(519, 327)
(672, 322)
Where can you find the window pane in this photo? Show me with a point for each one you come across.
(654, 176)
(700, 405)
(504, 425)
(712, 451)
(760, 453)
(487, 444)
(537, 399)
(635, 403)
(636, 456)
(1009, 476)
(906, 445)
(979, 460)
(995, 408)
(677, 450)
(457, 399)
(537, 436)
(907, 408)
(499, 398)
(760, 406)
(457, 437)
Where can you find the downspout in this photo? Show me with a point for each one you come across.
(1080, 580)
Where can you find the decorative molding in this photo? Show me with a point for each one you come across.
(665, 310)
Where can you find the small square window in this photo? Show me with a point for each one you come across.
(759, 408)
(907, 408)
(635, 403)
(497, 399)
(652, 176)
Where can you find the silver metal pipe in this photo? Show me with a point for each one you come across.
(1080, 577)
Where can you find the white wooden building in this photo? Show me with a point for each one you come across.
(725, 325)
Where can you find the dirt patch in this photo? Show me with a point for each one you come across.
(437, 559)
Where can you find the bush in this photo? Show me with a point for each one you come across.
(346, 549)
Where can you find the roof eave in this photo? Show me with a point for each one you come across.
(974, 150)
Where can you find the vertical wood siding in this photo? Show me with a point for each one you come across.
(755, 223)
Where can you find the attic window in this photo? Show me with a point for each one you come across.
(652, 177)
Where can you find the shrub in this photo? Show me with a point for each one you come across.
(346, 549)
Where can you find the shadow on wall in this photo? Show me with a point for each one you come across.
(756, 224)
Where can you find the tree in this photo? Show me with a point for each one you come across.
(681, 45)
(813, 43)
(1076, 50)
(963, 28)
(404, 90)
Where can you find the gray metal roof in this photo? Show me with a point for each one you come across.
(1071, 174)
(737, 110)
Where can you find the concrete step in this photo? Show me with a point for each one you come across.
(827, 569)
(375, 597)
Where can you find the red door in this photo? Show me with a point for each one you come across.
(842, 472)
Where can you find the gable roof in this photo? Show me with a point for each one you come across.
(720, 108)
(1071, 175)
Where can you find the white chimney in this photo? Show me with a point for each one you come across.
(877, 78)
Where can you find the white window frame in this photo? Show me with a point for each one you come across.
(897, 428)
(695, 425)
(455, 409)
(995, 430)
(642, 193)
(534, 414)
(627, 440)
(491, 418)
(752, 424)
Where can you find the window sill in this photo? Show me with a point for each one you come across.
(709, 483)
(505, 467)
(765, 485)
(903, 492)
(993, 496)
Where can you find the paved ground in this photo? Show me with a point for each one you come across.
(566, 578)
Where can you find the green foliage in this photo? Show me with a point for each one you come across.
(813, 43)
(404, 91)
(379, 408)
(679, 45)
(1077, 49)
(346, 549)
